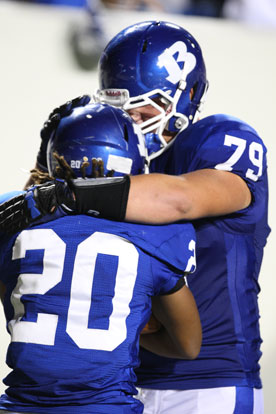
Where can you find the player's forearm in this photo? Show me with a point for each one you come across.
(161, 198)
(161, 344)
(156, 199)
(152, 198)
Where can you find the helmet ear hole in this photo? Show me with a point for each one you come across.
(126, 137)
(145, 46)
(193, 91)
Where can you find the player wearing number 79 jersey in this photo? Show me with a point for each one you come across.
(229, 256)
(77, 290)
(212, 171)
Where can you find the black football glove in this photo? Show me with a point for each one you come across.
(40, 203)
(51, 124)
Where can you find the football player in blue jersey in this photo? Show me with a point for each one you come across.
(216, 174)
(212, 171)
(77, 290)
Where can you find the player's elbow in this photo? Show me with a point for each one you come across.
(193, 351)
(184, 209)
(181, 204)
(190, 344)
(190, 350)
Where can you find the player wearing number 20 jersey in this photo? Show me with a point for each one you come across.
(229, 255)
(79, 288)
(78, 295)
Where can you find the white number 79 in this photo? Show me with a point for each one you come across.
(255, 154)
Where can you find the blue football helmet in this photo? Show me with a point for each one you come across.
(159, 64)
(98, 131)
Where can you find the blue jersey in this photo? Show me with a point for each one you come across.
(78, 293)
(229, 255)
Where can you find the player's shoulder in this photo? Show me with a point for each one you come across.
(171, 243)
(219, 125)
(210, 137)
(223, 121)
(168, 243)
(219, 140)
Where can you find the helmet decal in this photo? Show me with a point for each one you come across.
(167, 60)
(118, 163)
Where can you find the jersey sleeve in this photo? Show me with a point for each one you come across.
(228, 144)
(173, 244)
(166, 279)
(174, 258)
(170, 249)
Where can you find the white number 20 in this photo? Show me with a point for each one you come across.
(255, 154)
(43, 330)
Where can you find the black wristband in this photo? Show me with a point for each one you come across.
(102, 197)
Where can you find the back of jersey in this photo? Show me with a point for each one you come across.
(78, 295)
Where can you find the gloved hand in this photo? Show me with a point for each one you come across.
(40, 203)
(103, 196)
(51, 124)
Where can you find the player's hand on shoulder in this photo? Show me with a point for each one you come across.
(44, 202)
(60, 112)
(52, 123)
